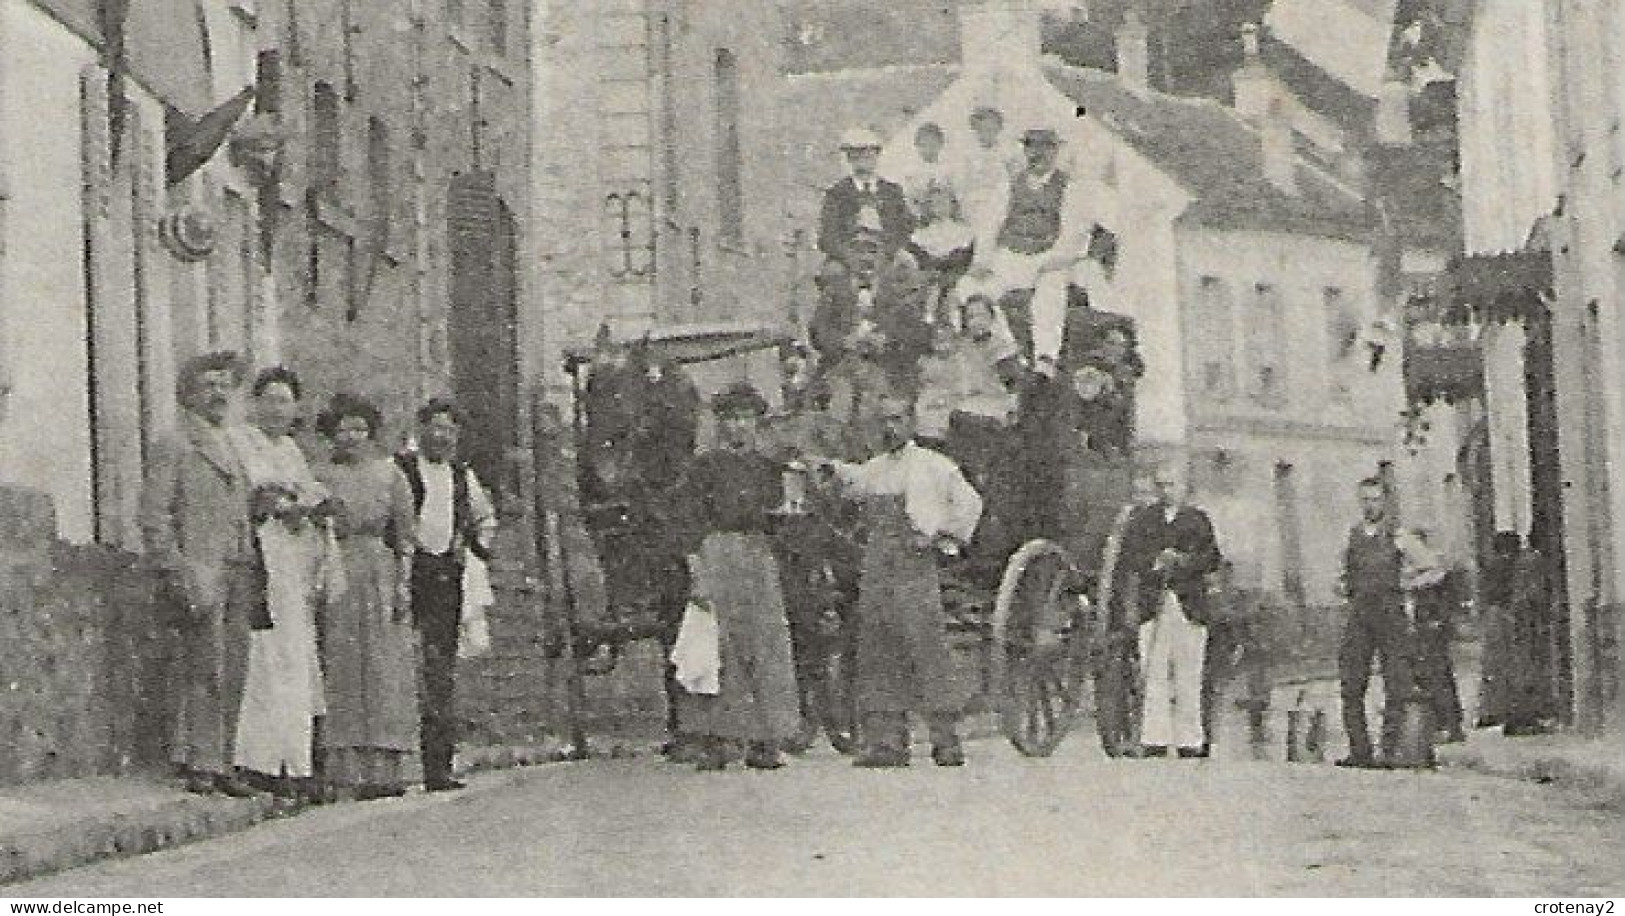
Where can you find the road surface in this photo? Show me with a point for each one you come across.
(1076, 824)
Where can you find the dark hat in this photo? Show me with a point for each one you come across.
(1041, 135)
(739, 399)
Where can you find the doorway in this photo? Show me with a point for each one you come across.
(483, 325)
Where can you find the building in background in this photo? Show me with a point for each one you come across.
(1239, 237)
(1542, 158)
(335, 185)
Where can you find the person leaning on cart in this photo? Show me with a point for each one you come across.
(916, 504)
(724, 505)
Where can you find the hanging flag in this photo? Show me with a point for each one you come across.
(111, 16)
(192, 143)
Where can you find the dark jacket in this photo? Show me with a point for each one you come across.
(1147, 534)
(838, 221)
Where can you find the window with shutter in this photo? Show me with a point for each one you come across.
(496, 33)
(1213, 339)
(380, 180)
(325, 142)
(1343, 333)
(1265, 336)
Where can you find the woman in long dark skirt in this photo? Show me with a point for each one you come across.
(727, 499)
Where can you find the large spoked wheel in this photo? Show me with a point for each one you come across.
(1039, 651)
(1116, 667)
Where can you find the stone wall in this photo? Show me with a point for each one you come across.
(83, 653)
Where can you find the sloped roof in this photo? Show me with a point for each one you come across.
(1215, 156)
(1091, 43)
(1423, 211)
(1316, 87)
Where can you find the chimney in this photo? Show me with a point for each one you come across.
(994, 34)
(1393, 121)
(1280, 156)
(1134, 51)
(1252, 85)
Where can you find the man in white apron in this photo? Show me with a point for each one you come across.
(1169, 549)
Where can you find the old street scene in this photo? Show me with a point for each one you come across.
(811, 448)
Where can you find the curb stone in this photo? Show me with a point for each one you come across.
(116, 835)
(25, 855)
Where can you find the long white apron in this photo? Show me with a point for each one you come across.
(284, 691)
(1171, 649)
(284, 688)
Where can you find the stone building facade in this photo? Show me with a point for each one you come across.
(333, 185)
(379, 255)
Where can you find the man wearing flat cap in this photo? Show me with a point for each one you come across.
(1037, 244)
(864, 216)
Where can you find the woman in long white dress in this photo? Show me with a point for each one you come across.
(283, 695)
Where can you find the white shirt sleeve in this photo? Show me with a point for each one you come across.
(861, 479)
(940, 501)
(481, 507)
(936, 496)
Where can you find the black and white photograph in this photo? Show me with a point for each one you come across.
(731, 449)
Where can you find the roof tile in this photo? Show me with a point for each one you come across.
(1217, 157)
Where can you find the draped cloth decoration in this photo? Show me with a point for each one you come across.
(192, 143)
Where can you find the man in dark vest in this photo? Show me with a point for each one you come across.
(1373, 582)
(1039, 242)
(865, 219)
(454, 518)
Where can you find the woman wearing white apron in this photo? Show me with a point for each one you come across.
(283, 695)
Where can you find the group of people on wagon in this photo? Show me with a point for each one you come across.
(931, 377)
(978, 286)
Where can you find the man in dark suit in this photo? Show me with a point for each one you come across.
(865, 219)
(1168, 551)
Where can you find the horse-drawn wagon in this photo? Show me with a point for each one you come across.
(1033, 600)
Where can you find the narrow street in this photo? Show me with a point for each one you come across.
(398, 393)
(1076, 824)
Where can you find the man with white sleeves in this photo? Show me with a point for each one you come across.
(916, 504)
